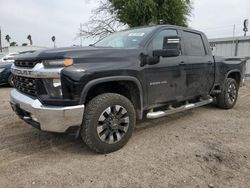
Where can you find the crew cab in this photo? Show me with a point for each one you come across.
(100, 91)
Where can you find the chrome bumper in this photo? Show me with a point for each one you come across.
(50, 118)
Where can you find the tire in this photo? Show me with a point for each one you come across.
(228, 97)
(108, 122)
(10, 80)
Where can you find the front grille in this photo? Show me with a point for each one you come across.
(22, 63)
(26, 85)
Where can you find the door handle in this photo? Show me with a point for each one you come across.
(182, 63)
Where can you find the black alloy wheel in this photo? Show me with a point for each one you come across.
(108, 122)
(113, 124)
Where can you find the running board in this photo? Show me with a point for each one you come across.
(159, 114)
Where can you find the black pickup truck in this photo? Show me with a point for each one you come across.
(101, 90)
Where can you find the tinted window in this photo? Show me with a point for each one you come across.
(193, 44)
(157, 42)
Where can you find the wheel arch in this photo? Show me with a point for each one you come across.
(137, 100)
(235, 74)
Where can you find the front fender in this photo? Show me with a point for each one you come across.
(94, 82)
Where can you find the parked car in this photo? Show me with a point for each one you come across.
(101, 90)
(1, 55)
(6, 76)
(9, 58)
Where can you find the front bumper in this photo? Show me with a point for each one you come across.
(47, 118)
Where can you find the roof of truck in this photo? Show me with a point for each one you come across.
(167, 25)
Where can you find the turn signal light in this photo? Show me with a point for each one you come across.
(68, 62)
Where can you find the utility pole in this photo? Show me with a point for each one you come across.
(0, 40)
(233, 46)
(81, 34)
(160, 11)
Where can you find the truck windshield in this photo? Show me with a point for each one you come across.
(125, 39)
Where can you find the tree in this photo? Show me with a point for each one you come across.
(13, 44)
(113, 15)
(102, 23)
(142, 12)
(53, 38)
(30, 39)
(7, 38)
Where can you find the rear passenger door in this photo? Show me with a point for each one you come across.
(199, 65)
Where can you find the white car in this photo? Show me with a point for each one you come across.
(9, 58)
(1, 55)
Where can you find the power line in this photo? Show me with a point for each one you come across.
(217, 28)
(224, 26)
(224, 35)
(225, 31)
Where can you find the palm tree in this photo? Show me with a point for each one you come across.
(30, 39)
(7, 38)
(53, 38)
(13, 44)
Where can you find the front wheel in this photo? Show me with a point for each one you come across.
(11, 80)
(108, 122)
(228, 97)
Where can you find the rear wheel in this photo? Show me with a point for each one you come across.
(228, 97)
(108, 123)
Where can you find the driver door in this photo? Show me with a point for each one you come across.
(166, 79)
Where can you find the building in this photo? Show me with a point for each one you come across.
(12, 49)
(232, 47)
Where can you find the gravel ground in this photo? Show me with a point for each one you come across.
(203, 147)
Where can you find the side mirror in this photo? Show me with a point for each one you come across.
(153, 60)
(171, 47)
(150, 60)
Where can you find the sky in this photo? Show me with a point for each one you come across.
(62, 18)
(217, 17)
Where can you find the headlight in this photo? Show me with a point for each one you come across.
(1, 69)
(57, 63)
(53, 87)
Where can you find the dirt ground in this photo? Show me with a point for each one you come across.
(204, 147)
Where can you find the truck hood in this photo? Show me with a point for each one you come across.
(92, 54)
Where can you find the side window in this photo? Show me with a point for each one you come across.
(193, 44)
(157, 42)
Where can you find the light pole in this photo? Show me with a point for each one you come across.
(245, 29)
(53, 38)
